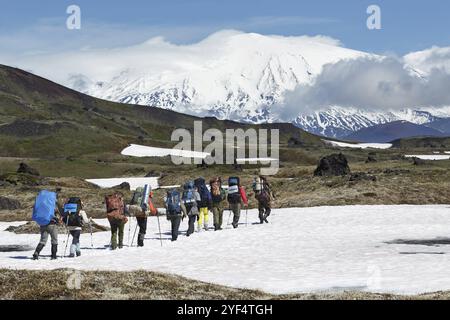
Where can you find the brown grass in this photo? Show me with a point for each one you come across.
(144, 285)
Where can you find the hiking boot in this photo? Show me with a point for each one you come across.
(37, 251)
(78, 253)
(140, 241)
(265, 220)
(235, 225)
(54, 251)
(72, 255)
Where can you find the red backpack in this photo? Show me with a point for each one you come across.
(115, 208)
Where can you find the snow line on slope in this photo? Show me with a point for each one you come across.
(359, 145)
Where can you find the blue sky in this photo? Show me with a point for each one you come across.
(31, 26)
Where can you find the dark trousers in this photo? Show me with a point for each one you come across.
(236, 209)
(264, 211)
(75, 236)
(117, 227)
(176, 221)
(191, 226)
(142, 223)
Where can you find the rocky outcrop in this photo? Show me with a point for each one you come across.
(332, 165)
(24, 168)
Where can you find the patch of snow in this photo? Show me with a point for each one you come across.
(433, 157)
(359, 145)
(134, 182)
(304, 250)
(255, 160)
(135, 150)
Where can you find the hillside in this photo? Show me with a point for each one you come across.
(393, 130)
(39, 118)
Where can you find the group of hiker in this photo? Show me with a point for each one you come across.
(195, 202)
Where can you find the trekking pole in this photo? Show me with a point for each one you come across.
(134, 235)
(246, 216)
(67, 239)
(129, 231)
(159, 227)
(229, 216)
(90, 229)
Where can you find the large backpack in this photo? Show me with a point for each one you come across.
(137, 197)
(205, 195)
(115, 208)
(71, 215)
(217, 192)
(44, 208)
(264, 193)
(173, 203)
(257, 184)
(189, 193)
(234, 195)
(145, 197)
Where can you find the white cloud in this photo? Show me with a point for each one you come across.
(433, 58)
(371, 84)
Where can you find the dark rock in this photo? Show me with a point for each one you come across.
(9, 204)
(152, 174)
(15, 248)
(361, 176)
(123, 186)
(24, 168)
(332, 165)
(371, 159)
(418, 162)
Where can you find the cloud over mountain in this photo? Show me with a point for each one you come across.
(369, 83)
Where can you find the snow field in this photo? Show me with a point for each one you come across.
(300, 250)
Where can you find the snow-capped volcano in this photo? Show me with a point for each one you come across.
(229, 75)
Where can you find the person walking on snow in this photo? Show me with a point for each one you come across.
(189, 205)
(264, 195)
(141, 210)
(74, 217)
(115, 209)
(235, 199)
(173, 211)
(50, 229)
(204, 205)
(218, 196)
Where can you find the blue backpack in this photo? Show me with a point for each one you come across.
(173, 203)
(44, 208)
(71, 216)
(189, 193)
(205, 195)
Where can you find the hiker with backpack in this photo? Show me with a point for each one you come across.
(189, 205)
(173, 211)
(74, 217)
(264, 196)
(115, 212)
(235, 199)
(204, 205)
(218, 196)
(141, 206)
(46, 213)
